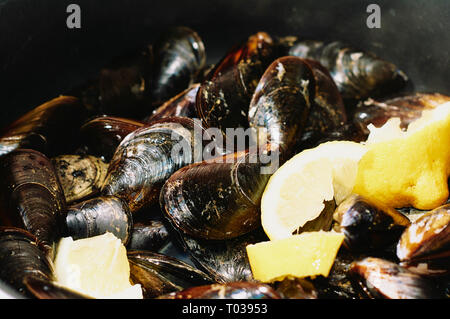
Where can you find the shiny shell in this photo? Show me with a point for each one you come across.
(80, 176)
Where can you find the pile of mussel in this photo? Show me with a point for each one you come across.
(124, 153)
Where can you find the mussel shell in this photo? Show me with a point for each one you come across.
(216, 199)
(159, 274)
(146, 158)
(235, 290)
(427, 241)
(22, 255)
(103, 134)
(296, 288)
(408, 108)
(81, 176)
(31, 195)
(368, 225)
(179, 57)
(379, 278)
(357, 73)
(224, 260)
(182, 104)
(152, 236)
(45, 289)
(281, 102)
(97, 216)
(46, 128)
(223, 98)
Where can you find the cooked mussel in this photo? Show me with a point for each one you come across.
(182, 104)
(424, 246)
(46, 128)
(379, 278)
(223, 98)
(21, 255)
(97, 216)
(80, 176)
(151, 235)
(224, 260)
(357, 73)
(31, 195)
(179, 55)
(368, 225)
(408, 108)
(234, 290)
(217, 198)
(148, 156)
(159, 274)
(103, 134)
(282, 102)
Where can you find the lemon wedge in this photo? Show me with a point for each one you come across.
(296, 193)
(408, 168)
(96, 266)
(308, 254)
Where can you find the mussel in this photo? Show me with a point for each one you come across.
(408, 108)
(46, 289)
(179, 55)
(97, 216)
(357, 73)
(182, 104)
(379, 278)
(151, 235)
(281, 103)
(224, 260)
(223, 98)
(81, 176)
(103, 134)
(148, 156)
(368, 225)
(159, 274)
(21, 255)
(234, 290)
(424, 246)
(121, 87)
(51, 128)
(217, 198)
(31, 196)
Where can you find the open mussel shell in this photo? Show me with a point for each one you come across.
(103, 134)
(97, 216)
(81, 176)
(234, 290)
(379, 278)
(21, 254)
(46, 128)
(218, 198)
(179, 55)
(151, 235)
(281, 103)
(223, 98)
(424, 246)
(31, 195)
(146, 158)
(407, 108)
(358, 74)
(182, 104)
(368, 225)
(159, 274)
(224, 260)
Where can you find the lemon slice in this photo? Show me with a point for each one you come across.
(96, 266)
(308, 254)
(296, 192)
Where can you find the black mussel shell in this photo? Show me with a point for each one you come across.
(151, 235)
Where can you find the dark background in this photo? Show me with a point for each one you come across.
(41, 58)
